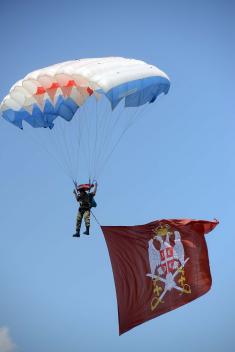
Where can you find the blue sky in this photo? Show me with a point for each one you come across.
(57, 293)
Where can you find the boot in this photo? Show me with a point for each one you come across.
(87, 231)
(77, 234)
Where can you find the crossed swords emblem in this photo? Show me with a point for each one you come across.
(168, 261)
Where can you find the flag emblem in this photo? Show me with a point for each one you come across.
(167, 264)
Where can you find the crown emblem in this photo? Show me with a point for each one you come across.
(161, 230)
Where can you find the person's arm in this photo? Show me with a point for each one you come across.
(76, 194)
(95, 188)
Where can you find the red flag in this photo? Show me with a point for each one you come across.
(158, 267)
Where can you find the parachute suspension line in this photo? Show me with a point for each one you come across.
(69, 132)
(140, 113)
(109, 132)
(83, 151)
(107, 156)
(101, 126)
(102, 134)
(62, 150)
(102, 120)
(57, 132)
(70, 141)
(108, 136)
(92, 125)
(58, 146)
(111, 152)
(88, 142)
(90, 118)
(81, 124)
(62, 132)
(96, 133)
(86, 116)
(78, 137)
(78, 133)
(106, 132)
(76, 124)
(43, 147)
(114, 121)
(131, 121)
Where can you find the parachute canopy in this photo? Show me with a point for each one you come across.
(59, 90)
(107, 93)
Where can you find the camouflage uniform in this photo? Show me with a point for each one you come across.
(84, 210)
(82, 213)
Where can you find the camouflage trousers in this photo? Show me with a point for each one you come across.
(83, 213)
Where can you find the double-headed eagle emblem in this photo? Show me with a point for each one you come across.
(166, 263)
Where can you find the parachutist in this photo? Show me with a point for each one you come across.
(86, 200)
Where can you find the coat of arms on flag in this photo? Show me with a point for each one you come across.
(166, 264)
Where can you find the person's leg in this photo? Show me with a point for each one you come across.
(78, 223)
(87, 222)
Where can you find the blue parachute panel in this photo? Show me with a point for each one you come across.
(138, 92)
